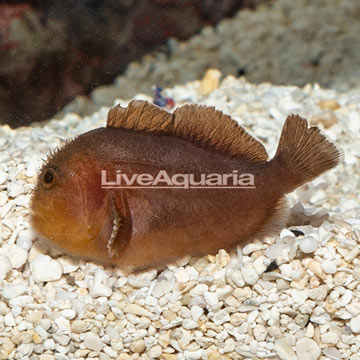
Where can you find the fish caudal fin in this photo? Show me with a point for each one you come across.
(303, 153)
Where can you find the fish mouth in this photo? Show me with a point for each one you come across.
(117, 222)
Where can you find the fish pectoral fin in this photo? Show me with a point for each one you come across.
(276, 221)
(115, 230)
(121, 229)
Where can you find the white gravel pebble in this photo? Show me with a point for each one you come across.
(284, 350)
(329, 267)
(63, 324)
(330, 337)
(332, 353)
(32, 168)
(250, 275)
(16, 255)
(15, 189)
(155, 352)
(3, 177)
(42, 332)
(211, 298)
(142, 279)
(193, 355)
(196, 312)
(162, 287)
(319, 293)
(5, 267)
(43, 268)
(352, 254)
(7, 208)
(307, 349)
(68, 314)
(22, 200)
(198, 290)
(353, 308)
(99, 285)
(3, 198)
(92, 341)
(220, 317)
(250, 248)
(308, 244)
(355, 324)
(354, 122)
(21, 301)
(285, 233)
(9, 320)
(68, 264)
(49, 344)
(181, 276)
(299, 296)
(24, 239)
(14, 290)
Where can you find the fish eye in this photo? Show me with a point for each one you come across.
(48, 178)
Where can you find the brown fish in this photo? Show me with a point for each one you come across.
(77, 205)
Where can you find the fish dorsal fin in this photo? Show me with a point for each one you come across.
(197, 123)
(139, 115)
(215, 129)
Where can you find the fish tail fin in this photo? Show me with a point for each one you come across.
(303, 153)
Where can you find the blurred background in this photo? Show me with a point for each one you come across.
(61, 56)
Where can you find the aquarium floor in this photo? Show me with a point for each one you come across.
(228, 306)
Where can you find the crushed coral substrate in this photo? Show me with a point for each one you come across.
(293, 296)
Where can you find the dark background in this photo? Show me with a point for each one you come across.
(51, 51)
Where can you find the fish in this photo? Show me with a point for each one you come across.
(100, 197)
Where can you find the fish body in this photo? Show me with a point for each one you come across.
(136, 227)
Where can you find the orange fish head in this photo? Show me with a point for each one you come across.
(69, 207)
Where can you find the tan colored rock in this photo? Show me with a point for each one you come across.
(34, 317)
(124, 357)
(6, 348)
(138, 346)
(315, 267)
(168, 357)
(164, 340)
(37, 339)
(136, 310)
(326, 118)
(328, 104)
(110, 316)
(78, 326)
(169, 315)
(210, 81)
